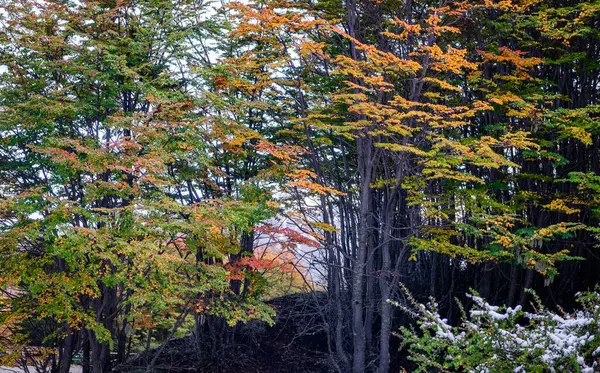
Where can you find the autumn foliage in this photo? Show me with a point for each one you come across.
(167, 166)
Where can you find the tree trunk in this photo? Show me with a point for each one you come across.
(85, 347)
(358, 273)
(66, 353)
(384, 285)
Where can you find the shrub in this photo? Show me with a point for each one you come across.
(504, 339)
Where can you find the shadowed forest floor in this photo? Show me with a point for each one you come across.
(295, 344)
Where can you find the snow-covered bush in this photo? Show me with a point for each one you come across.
(503, 339)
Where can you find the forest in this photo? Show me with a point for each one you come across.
(299, 186)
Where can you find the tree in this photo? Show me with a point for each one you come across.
(109, 220)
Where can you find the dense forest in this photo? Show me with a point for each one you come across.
(300, 186)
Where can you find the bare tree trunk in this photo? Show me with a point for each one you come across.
(85, 363)
(358, 274)
(527, 285)
(384, 285)
(339, 320)
(105, 310)
(66, 352)
(512, 293)
(386, 281)
(370, 295)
